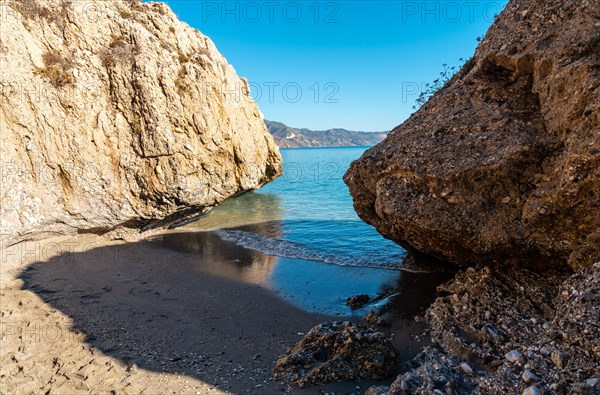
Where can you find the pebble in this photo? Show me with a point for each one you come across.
(514, 356)
(404, 386)
(533, 390)
(466, 368)
(589, 296)
(560, 359)
(529, 377)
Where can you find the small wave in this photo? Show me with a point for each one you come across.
(289, 249)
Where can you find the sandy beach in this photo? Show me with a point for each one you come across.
(85, 314)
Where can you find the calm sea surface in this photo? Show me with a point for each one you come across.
(321, 252)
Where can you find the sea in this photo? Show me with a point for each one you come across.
(317, 250)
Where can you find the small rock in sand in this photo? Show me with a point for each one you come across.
(358, 301)
(466, 369)
(514, 356)
(529, 377)
(560, 359)
(379, 390)
(533, 390)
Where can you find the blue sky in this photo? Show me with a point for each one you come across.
(352, 64)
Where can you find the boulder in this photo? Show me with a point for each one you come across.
(338, 351)
(114, 112)
(503, 164)
(358, 301)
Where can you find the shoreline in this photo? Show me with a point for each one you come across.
(110, 309)
(84, 314)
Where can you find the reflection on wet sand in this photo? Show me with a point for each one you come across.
(412, 294)
(315, 287)
(312, 285)
(260, 211)
(222, 258)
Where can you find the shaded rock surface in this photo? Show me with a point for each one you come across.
(515, 329)
(338, 351)
(503, 164)
(115, 112)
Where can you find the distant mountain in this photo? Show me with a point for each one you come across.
(288, 137)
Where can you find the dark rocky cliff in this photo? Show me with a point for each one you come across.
(503, 164)
(500, 171)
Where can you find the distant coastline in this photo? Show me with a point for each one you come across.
(327, 147)
(289, 137)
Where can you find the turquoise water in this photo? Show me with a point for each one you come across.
(313, 209)
(305, 218)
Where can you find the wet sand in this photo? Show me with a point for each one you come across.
(89, 315)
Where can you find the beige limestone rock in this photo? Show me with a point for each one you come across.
(115, 112)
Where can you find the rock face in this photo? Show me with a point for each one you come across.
(503, 164)
(115, 112)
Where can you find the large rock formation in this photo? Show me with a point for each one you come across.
(503, 164)
(115, 112)
(338, 351)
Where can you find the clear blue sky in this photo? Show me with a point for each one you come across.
(353, 64)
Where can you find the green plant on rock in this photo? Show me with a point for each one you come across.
(468, 66)
(180, 84)
(136, 125)
(30, 9)
(183, 58)
(432, 88)
(118, 51)
(445, 77)
(125, 14)
(57, 69)
(33, 10)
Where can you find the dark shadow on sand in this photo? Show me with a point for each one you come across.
(186, 303)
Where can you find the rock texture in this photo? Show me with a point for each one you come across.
(503, 164)
(288, 137)
(338, 351)
(115, 112)
(504, 332)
